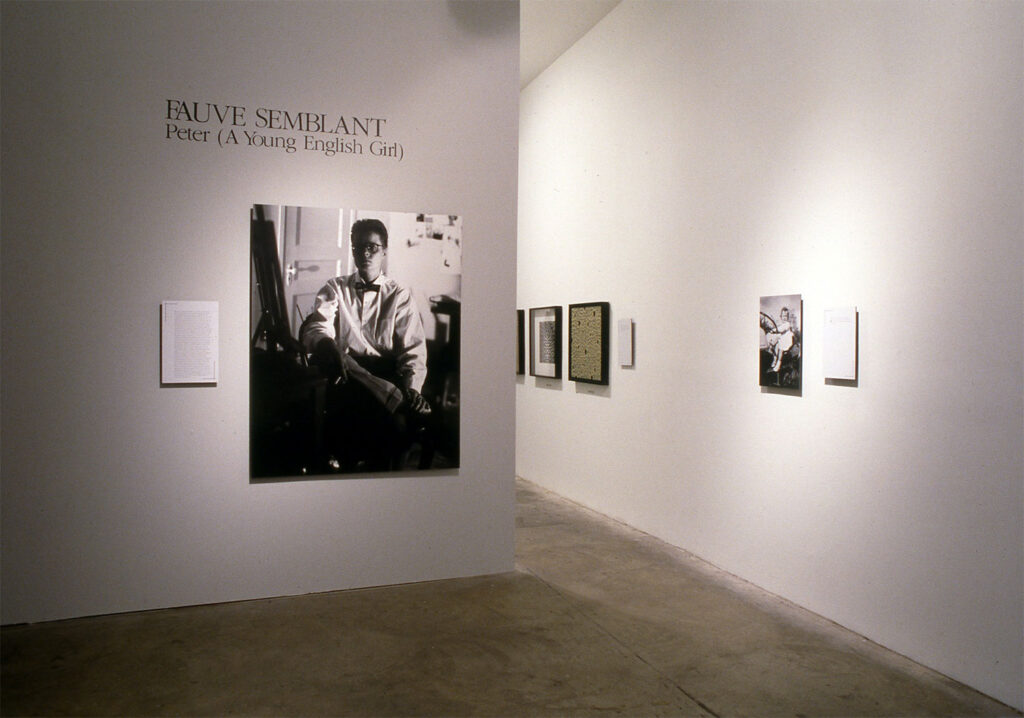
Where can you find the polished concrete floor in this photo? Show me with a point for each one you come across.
(598, 620)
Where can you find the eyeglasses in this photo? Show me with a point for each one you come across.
(368, 248)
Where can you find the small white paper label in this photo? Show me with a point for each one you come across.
(625, 342)
(189, 340)
(840, 343)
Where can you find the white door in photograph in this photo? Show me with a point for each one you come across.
(315, 248)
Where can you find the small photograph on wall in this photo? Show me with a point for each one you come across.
(781, 341)
(588, 342)
(546, 342)
(354, 342)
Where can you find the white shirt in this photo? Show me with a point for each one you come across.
(382, 323)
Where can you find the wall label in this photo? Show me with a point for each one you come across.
(189, 335)
(228, 125)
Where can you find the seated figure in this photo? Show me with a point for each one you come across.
(366, 335)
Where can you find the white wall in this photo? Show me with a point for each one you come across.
(120, 495)
(684, 159)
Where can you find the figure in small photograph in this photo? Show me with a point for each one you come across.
(780, 339)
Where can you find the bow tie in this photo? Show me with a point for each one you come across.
(367, 287)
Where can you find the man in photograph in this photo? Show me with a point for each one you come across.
(366, 335)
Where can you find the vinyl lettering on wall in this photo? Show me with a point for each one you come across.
(267, 128)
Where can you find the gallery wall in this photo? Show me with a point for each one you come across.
(119, 494)
(683, 160)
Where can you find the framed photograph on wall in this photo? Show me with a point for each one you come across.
(781, 341)
(588, 342)
(520, 342)
(546, 342)
(314, 272)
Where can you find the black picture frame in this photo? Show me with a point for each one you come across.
(520, 342)
(546, 342)
(589, 342)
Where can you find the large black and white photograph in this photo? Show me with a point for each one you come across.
(781, 341)
(354, 364)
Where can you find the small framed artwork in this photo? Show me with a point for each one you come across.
(588, 342)
(546, 342)
(781, 341)
(520, 342)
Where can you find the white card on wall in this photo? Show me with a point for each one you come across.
(189, 337)
(625, 342)
(839, 343)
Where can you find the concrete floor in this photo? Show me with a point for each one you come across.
(597, 620)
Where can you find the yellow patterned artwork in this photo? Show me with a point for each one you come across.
(588, 342)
